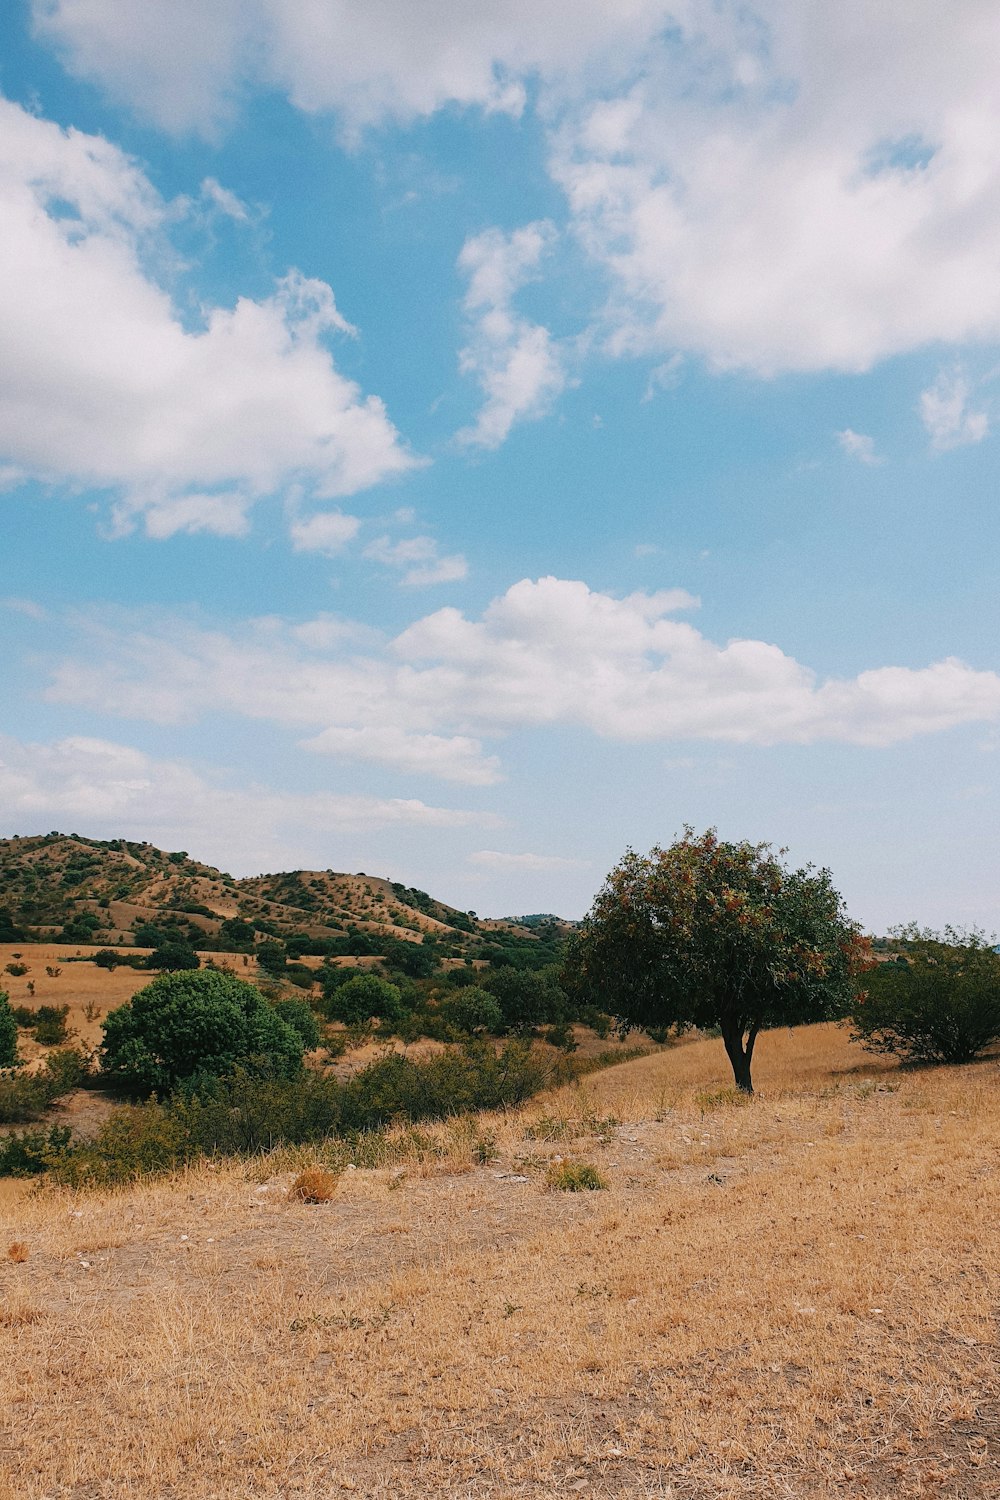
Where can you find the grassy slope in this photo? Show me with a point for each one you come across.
(791, 1297)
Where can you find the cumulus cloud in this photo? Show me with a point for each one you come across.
(796, 186)
(449, 757)
(117, 790)
(946, 413)
(185, 63)
(418, 559)
(516, 362)
(858, 445)
(546, 653)
(493, 859)
(328, 531)
(789, 185)
(101, 384)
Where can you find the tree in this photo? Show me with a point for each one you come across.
(715, 934)
(171, 957)
(362, 997)
(197, 1022)
(937, 1001)
(8, 1033)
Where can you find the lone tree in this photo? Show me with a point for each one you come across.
(708, 933)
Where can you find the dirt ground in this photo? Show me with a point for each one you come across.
(794, 1296)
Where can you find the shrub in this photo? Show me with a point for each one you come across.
(574, 1177)
(299, 1015)
(471, 1009)
(362, 997)
(50, 1025)
(172, 958)
(16, 969)
(527, 998)
(938, 1002)
(314, 1185)
(107, 958)
(26, 1096)
(191, 1024)
(8, 1033)
(27, 1153)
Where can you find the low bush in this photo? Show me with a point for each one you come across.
(8, 1033)
(302, 1019)
(28, 1153)
(18, 970)
(314, 1185)
(26, 1096)
(937, 1002)
(574, 1177)
(359, 999)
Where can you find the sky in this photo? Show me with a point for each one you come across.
(460, 442)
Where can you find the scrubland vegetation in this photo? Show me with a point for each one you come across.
(790, 1294)
(407, 1224)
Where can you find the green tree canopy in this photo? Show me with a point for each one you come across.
(937, 1001)
(715, 934)
(8, 1033)
(197, 1022)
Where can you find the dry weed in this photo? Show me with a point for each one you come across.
(314, 1185)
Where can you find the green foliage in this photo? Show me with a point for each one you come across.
(415, 960)
(238, 935)
(272, 957)
(527, 997)
(26, 1096)
(574, 1177)
(937, 1002)
(8, 1033)
(49, 1024)
(171, 958)
(17, 970)
(470, 1009)
(300, 1016)
(362, 997)
(707, 934)
(188, 1024)
(28, 1153)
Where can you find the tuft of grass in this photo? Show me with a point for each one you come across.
(17, 1251)
(314, 1185)
(711, 1099)
(574, 1177)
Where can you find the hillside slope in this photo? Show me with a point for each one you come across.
(113, 891)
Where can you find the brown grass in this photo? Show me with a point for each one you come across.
(795, 1296)
(314, 1185)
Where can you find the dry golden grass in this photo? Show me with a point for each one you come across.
(795, 1296)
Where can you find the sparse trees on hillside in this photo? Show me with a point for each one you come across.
(715, 934)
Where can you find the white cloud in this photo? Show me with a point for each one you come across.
(545, 653)
(419, 560)
(493, 859)
(185, 63)
(116, 790)
(449, 757)
(101, 384)
(797, 186)
(945, 412)
(789, 186)
(516, 362)
(860, 446)
(327, 531)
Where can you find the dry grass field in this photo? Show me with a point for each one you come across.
(793, 1296)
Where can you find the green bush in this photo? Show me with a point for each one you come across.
(27, 1153)
(362, 997)
(300, 1016)
(17, 970)
(938, 1002)
(527, 997)
(26, 1096)
(172, 958)
(471, 1009)
(574, 1177)
(50, 1025)
(8, 1033)
(190, 1024)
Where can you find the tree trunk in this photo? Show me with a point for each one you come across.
(740, 1051)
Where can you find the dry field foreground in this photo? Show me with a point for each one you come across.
(792, 1297)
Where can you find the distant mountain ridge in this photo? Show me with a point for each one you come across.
(118, 890)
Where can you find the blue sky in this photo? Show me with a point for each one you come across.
(457, 442)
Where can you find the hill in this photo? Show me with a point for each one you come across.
(77, 889)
